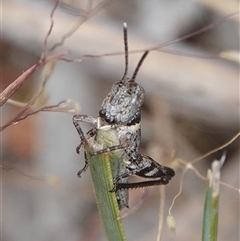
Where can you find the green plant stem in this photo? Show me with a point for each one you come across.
(210, 219)
(101, 174)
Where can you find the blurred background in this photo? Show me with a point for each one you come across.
(191, 107)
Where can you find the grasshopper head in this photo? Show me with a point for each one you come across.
(122, 105)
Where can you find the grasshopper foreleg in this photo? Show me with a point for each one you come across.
(82, 118)
(92, 132)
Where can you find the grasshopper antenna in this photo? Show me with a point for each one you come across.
(125, 49)
(139, 65)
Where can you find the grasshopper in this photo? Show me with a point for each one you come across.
(119, 122)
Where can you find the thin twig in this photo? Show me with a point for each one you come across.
(44, 49)
(161, 211)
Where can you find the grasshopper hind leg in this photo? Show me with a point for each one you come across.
(146, 167)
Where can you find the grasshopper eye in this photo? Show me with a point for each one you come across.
(120, 83)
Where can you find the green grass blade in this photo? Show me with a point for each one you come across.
(101, 174)
(210, 219)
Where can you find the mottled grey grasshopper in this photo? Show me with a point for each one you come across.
(119, 123)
